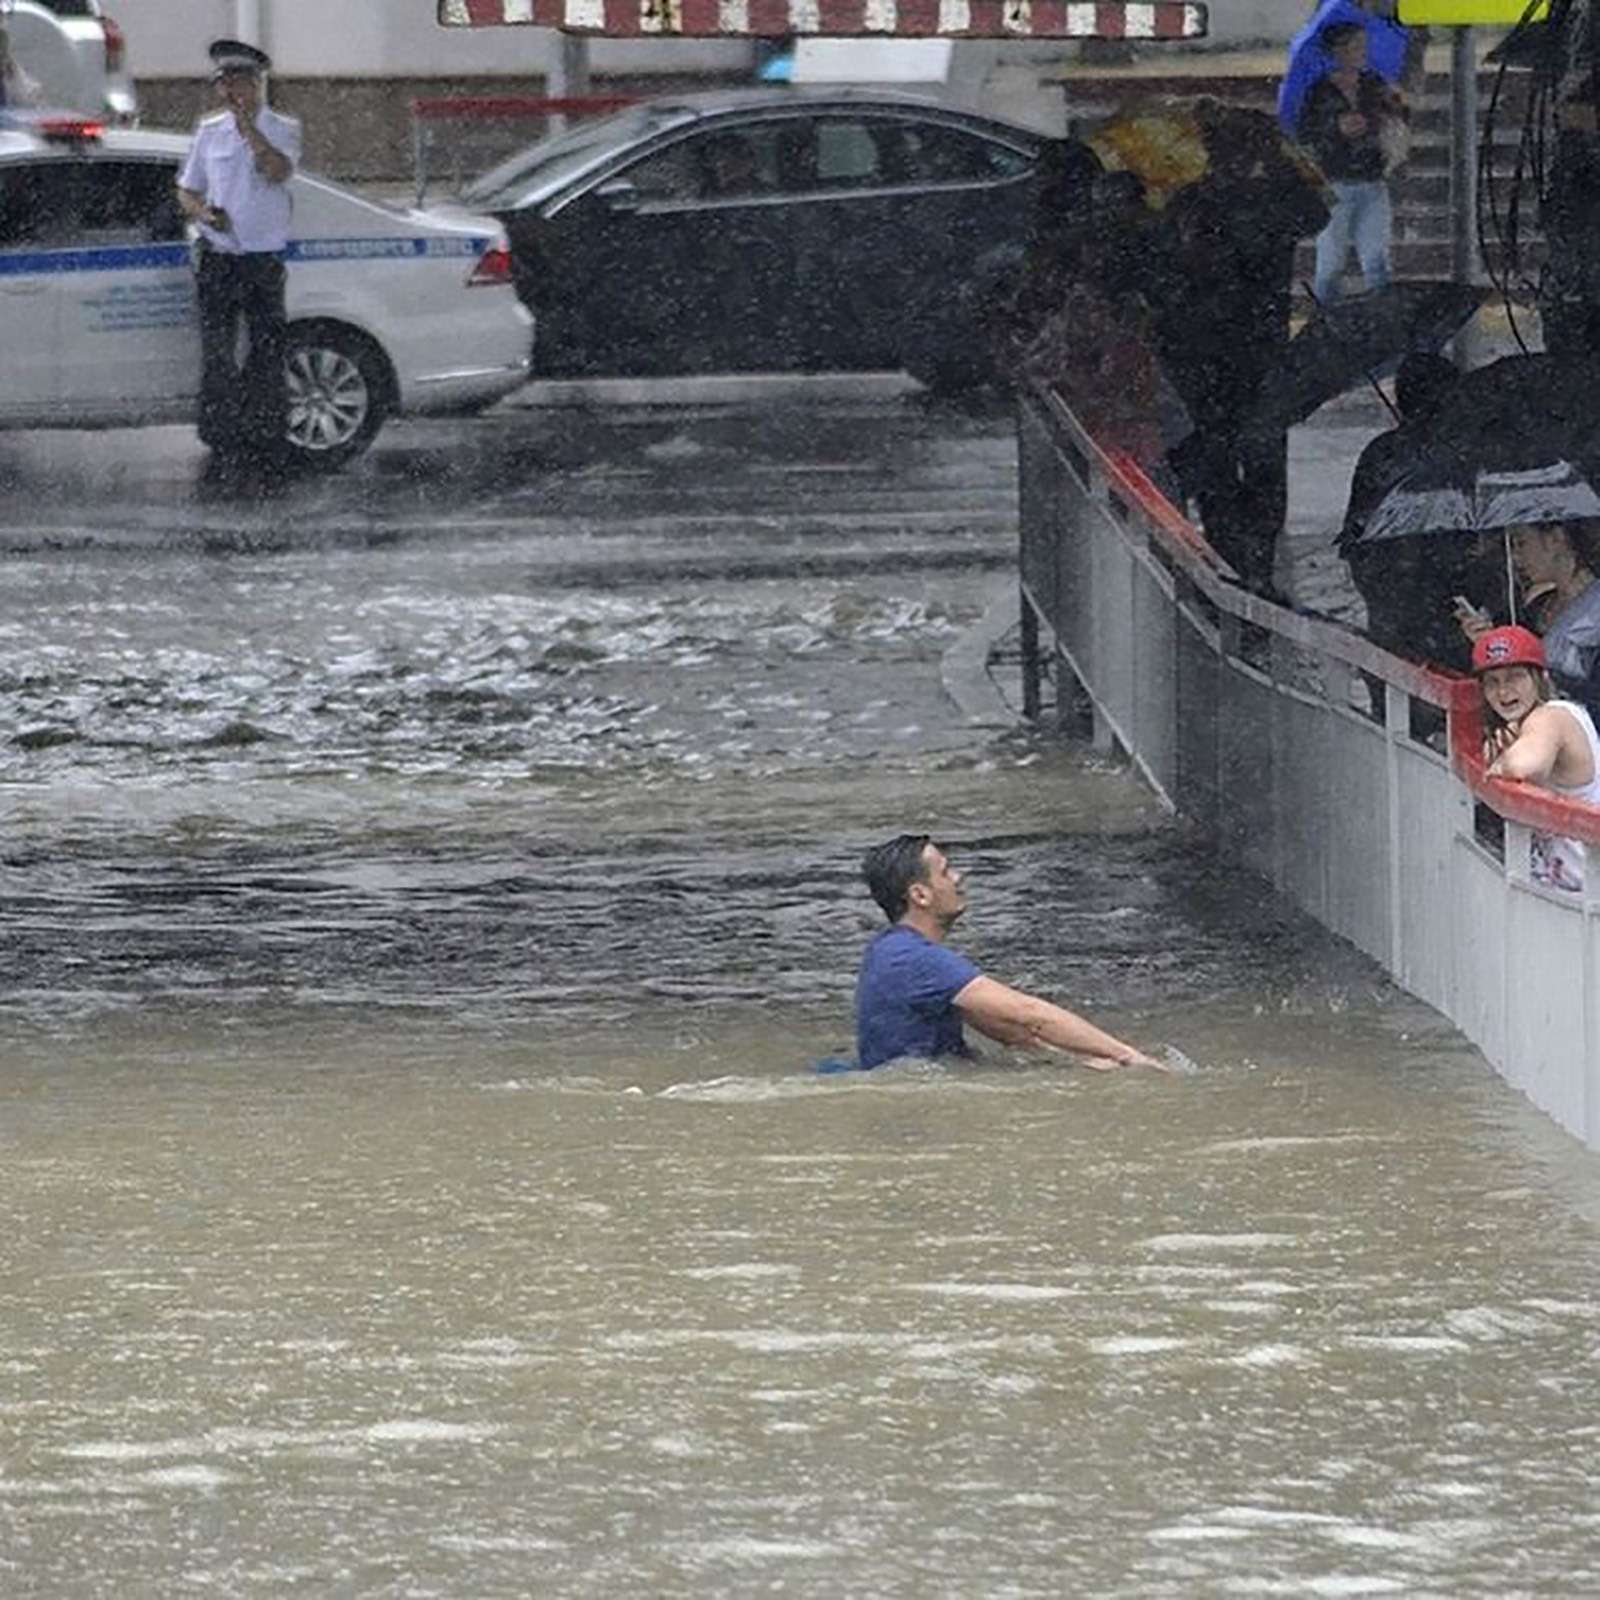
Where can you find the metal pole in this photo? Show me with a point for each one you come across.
(247, 21)
(1464, 262)
(569, 72)
(1030, 657)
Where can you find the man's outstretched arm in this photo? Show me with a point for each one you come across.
(1012, 1017)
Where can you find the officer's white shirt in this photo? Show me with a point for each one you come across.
(222, 167)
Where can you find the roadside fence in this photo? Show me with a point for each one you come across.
(1350, 779)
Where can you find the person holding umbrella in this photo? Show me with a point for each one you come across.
(1343, 124)
(1532, 737)
(1394, 51)
(1408, 584)
(1558, 563)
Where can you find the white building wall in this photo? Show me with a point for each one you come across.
(1237, 22)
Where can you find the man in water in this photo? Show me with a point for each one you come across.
(914, 994)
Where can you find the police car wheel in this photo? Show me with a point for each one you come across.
(338, 394)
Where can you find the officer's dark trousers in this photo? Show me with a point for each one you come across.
(243, 410)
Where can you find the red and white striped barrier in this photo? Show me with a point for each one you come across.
(908, 19)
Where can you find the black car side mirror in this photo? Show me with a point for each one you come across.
(618, 195)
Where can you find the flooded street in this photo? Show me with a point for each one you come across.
(423, 900)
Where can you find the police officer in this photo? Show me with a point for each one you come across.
(233, 187)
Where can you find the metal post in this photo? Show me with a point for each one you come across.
(1030, 658)
(247, 21)
(1464, 262)
(569, 72)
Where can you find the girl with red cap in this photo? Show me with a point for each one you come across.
(1531, 738)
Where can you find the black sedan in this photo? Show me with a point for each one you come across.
(768, 230)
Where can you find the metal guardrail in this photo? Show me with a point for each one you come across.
(1350, 779)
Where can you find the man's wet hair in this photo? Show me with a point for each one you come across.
(890, 870)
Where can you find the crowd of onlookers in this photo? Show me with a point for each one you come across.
(1157, 298)
(1159, 282)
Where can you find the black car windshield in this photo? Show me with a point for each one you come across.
(551, 159)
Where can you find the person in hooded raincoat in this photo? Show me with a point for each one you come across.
(1394, 52)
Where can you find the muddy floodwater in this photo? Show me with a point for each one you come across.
(415, 1178)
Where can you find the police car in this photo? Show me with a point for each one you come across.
(390, 312)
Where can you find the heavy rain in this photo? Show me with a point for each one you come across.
(433, 902)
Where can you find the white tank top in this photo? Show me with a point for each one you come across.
(1553, 860)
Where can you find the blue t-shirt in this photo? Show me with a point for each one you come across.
(905, 998)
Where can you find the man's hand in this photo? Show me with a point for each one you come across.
(1352, 124)
(1472, 620)
(1111, 1064)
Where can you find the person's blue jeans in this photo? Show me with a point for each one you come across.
(1363, 220)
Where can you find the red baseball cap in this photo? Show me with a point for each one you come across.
(1507, 647)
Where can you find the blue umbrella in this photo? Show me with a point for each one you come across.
(1308, 61)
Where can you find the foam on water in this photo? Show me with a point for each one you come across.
(421, 1430)
(748, 1551)
(1301, 1141)
(487, 1544)
(1019, 1293)
(1272, 1355)
(1137, 1345)
(192, 1476)
(744, 1271)
(1200, 1242)
(1408, 1343)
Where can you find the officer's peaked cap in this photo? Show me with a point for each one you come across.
(234, 55)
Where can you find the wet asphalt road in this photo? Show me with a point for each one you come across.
(811, 473)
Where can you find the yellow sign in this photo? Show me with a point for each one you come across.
(1470, 13)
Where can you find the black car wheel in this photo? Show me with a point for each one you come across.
(340, 391)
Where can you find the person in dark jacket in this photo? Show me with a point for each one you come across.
(1343, 127)
(1410, 584)
(1222, 323)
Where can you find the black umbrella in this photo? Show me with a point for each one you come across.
(1481, 500)
(1514, 442)
(1350, 340)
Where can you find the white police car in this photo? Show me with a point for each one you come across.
(389, 311)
